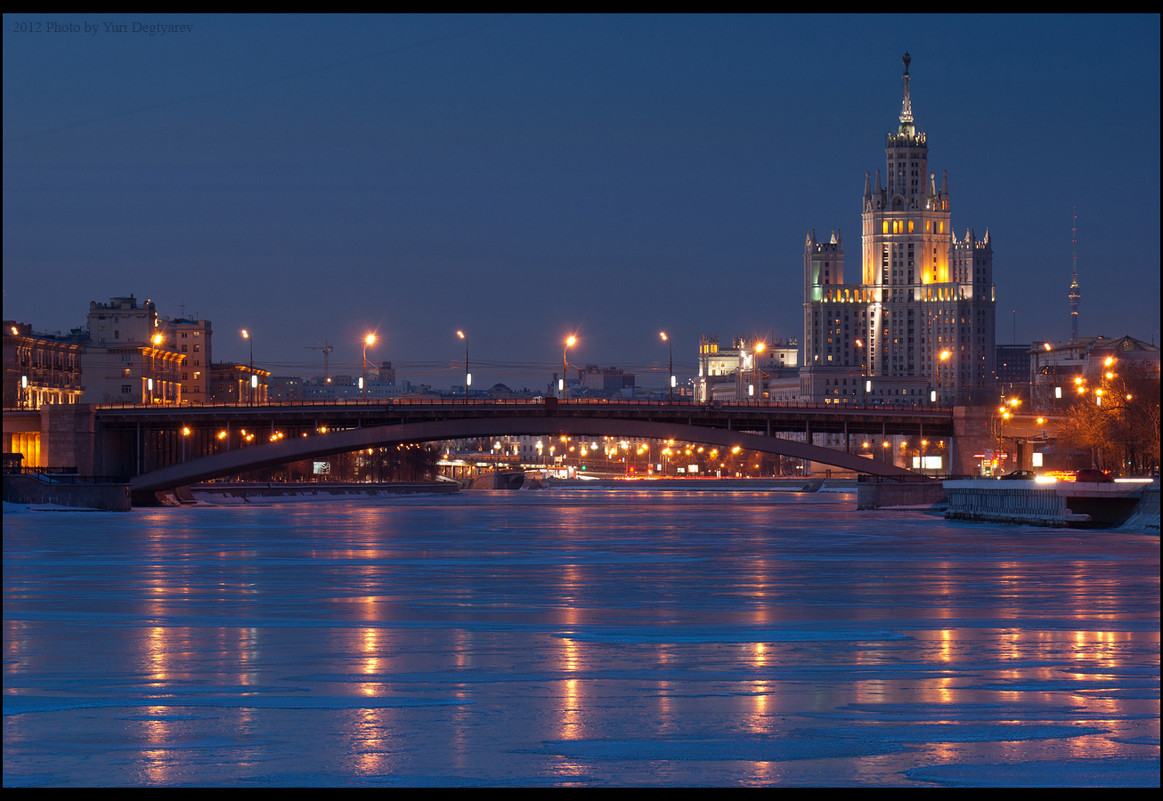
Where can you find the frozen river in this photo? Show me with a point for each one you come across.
(575, 637)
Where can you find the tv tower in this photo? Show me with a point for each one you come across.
(1075, 293)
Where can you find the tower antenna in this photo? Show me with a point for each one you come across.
(1075, 293)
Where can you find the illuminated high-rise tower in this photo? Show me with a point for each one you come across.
(1075, 292)
(918, 327)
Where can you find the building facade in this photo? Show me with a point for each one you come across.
(917, 324)
(237, 384)
(749, 369)
(127, 358)
(605, 381)
(121, 321)
(39, 369)
(132, 373)
(192, 340)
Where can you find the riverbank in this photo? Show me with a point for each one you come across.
(220, 494)
(1117, 505)
(787, 484)
(47, 491)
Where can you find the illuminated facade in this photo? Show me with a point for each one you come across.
(191, 338)
(750, 369)
(918, 326)
(132, 373)
(238, 384)
(126, 357)
(39, 369)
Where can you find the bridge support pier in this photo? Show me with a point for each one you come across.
(68, 437)
(970, 435)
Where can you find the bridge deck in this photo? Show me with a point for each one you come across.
(767, 417)
(310, 430)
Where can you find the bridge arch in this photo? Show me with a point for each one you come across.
(267, 455)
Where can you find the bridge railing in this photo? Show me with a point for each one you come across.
(753, 404)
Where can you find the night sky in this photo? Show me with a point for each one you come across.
(313, 178)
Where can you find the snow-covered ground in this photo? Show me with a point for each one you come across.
(575, 638)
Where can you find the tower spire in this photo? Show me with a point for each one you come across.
(906, 102)
(1075, 293)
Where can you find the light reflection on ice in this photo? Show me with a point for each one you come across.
(543, 638)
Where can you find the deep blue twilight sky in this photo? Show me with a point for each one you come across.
(311, 178)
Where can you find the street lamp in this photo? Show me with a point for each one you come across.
(759, 348)
(944, 357)
(247, 337)
(670, 363)
(860, 350)
(368, 340)
(467, 374)
(570, 341)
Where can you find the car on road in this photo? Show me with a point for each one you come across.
(1092, 475)
(1019, 475)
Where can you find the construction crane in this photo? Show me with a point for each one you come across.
(326, 350)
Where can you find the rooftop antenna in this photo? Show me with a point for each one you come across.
(326, 350)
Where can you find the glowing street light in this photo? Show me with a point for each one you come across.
(860, 346)
(467, 374)
(670, 362)
(247, 337)
(570, 341)
(370, 339)
(943, 356)
(759, 348)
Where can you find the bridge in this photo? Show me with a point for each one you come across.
(162, 447)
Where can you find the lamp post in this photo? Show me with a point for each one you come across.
(759, 348)
(998, 421)
(943, 357)
(670, 361)
(467, 374)
(570, 341)
(247, 337)
(860, 350)
(368, 340)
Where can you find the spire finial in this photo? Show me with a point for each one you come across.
(906, 103)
